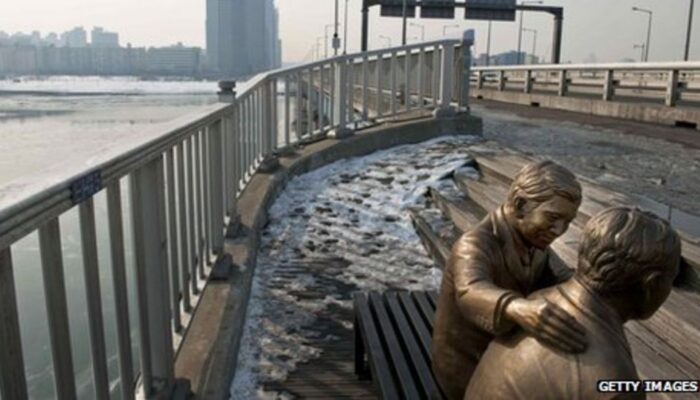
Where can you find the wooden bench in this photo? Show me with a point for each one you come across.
(393, 332)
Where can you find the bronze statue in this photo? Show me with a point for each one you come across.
(495, 265)
(628, 260)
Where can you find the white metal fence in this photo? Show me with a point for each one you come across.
(665, 83)
(182, 186)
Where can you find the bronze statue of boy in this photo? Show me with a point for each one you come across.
(628, 260)
(495, 266)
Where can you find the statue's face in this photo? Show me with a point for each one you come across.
(548, 220)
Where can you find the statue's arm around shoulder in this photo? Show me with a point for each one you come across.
(479, 299)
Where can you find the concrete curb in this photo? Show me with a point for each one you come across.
(209, 351)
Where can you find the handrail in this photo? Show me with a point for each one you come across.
(653, 66)
(184, 180)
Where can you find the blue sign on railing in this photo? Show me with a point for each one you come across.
(85, 187)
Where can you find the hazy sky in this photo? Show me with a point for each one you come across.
(607, 29)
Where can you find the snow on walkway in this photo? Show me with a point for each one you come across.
(339, 229)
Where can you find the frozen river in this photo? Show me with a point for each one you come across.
(44, 122)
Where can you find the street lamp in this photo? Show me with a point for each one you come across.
(643, 10)
(444, 28)
(520, 29)
(690, 28)
(640, 46)
(387, 38)
(318, 47)
(488, 46)
(345, 35)
(325, 31)
(534, 41)
(422, 30)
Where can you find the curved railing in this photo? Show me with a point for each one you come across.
(663, 82)
(175, 190)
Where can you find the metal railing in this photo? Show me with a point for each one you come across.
(664, 82)
(183, 182)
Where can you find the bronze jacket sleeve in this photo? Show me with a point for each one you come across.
(478, 298)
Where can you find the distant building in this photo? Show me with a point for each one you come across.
(507, 58)
(174, 60)
(102, 38)
(75, 38)
(242, 37)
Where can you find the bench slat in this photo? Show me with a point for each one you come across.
(426, 309)
(421, 363)
(378, 362)
(417, 322)
(403, 373)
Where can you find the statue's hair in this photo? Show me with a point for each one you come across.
(540, 181)
(621, 246)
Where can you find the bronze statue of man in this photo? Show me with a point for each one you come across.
(493, 267)
(628, 260)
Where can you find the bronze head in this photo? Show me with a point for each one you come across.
(630, 258)
(542, 202)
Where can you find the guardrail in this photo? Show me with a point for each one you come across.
(665, 82)
(183, 182)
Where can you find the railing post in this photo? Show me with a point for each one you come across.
(609, 87)
(672, 93)
(446, 82)
(216, 187)
(467, 43)
(479, 79)
(501, 80)
(563, 84)
(527, 87)
(340, 118)
(57, 309)
(13, 384)
(269, 121)
(365, 88)
(148, 219)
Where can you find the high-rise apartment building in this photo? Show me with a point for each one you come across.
(242, 37)
(75, 38)
(103, 38)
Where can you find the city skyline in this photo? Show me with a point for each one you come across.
(593, 29)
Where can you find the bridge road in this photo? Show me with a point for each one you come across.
(656, 161)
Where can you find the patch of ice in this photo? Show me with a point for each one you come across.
(342, 228)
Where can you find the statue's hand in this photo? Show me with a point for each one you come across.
(548, 323)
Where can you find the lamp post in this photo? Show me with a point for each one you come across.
(325, 31)
(446, 27)
(387, 38)
(318, 47)
(640, 46)
(422, 30)
(643, 10)
(520, 29)
(488, 46)
(534, 41)
(345, 26)
(336, 43)
(405, 17)
(690, 28)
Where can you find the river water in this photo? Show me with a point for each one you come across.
(44, 122)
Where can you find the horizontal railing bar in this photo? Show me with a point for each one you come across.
(656, 66)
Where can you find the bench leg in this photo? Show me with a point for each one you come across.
(361, 369)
